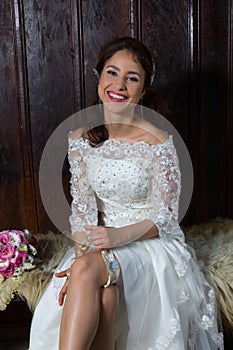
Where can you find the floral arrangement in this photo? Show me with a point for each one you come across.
(17, 254)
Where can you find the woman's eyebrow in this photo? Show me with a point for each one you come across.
(129, 72)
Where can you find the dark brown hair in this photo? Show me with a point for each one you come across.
(98, 134)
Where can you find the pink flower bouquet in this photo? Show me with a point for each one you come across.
(17, 254)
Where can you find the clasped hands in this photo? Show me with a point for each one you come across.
(103, 237)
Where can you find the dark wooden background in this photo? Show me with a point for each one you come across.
(48, 49)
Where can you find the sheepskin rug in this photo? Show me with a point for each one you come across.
(212, 242)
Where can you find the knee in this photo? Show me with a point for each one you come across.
(83, 269)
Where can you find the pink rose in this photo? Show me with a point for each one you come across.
(4, 265)
(19, 258)
(9, 271)
(17, 237)
(4, 237)
(6, 251)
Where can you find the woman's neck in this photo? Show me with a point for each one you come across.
(119, 130)
(120, 125)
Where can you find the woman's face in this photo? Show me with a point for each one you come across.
(122, 79)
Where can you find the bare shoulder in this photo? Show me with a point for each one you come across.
(152, 134)
(76, 134)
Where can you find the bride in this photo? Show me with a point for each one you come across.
(134, 284)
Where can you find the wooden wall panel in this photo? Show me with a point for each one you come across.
(194, 105)
(50, 68)
(49, 46)
(213, 97)
(9, 152)
(229, 150)
(17, 185)
(171, 56)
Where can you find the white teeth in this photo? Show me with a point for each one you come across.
(118, 97)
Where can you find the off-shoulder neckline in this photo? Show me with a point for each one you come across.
(118, 141)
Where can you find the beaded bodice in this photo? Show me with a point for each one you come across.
(126, 182)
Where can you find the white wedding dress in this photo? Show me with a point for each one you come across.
(165, 301)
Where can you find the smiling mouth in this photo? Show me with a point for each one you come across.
(116, 97)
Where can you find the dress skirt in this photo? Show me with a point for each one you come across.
(165, 301)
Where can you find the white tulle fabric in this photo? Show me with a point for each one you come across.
(165, 301)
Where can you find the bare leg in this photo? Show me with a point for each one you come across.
(104, 338)
(80, 317)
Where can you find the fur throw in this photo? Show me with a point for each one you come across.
(212, 241)
(213, 244)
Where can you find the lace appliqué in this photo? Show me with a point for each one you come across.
(209, 320)
(165, 189)
(84, 207)
(168, 335)
(182, 296)
(182, 266)
(208, 323)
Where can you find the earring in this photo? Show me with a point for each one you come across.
(153, 75)
(96, 73)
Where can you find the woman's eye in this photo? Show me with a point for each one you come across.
(133, 79)
(112, 72)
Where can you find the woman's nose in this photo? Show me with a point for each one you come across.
(120, 84)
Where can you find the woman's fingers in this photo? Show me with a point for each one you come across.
(99, 236)
(60, 274)
(97, 240)
(90, 227)
(62, 293)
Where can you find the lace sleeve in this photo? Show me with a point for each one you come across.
(83, 208)
(165, 188)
